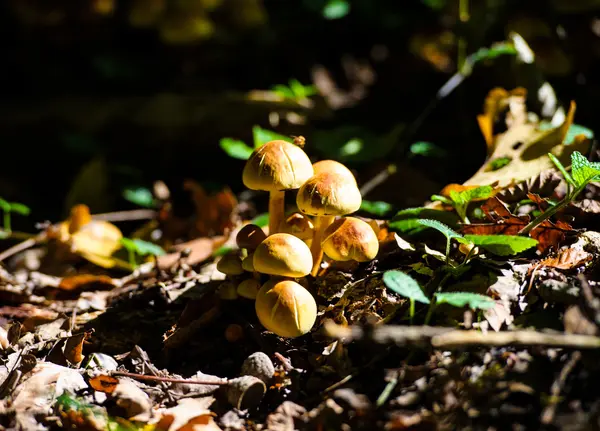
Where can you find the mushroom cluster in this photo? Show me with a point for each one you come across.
(294, 246)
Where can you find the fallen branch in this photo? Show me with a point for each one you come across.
(450, 338)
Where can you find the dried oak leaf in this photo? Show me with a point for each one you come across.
(547, 234)
(104, 383)
(190, 414)
(566, 259)
(214, 213)
(73, 350)
(82, 281)
(543, 185)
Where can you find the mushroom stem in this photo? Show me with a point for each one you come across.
(321, 223)
(276, 210)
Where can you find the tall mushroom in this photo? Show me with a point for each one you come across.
(325, 196)
(276, 167)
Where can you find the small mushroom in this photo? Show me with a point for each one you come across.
(227, 291)
(286, 308)
(248, 288)
(250, 236)
(325, 196)
(283, 254)
(350, 238)
(299, 225)
(259, 365)
(275, 167)
(245, 392)
(230, 264)
(248, 262)
(333, 167)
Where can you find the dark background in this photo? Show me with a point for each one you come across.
(81, 84)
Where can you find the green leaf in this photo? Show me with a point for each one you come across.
(446, 230)
(283, 91)
(499, 163)
(378, 208)
(582, 170)
(262, 136)
(496, 50)
(301, 91)
(404, 285)
(465, 196)
(141, 247)
(261, 220)
(20, 208)
(141, 196)
(4, 205)
(461, 299)
(406, 221)
(222, 251)
(336, 9)
(503, 245)
(574, 130)
(352, 147)
(427, 149)
(236, 148)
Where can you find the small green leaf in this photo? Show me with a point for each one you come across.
(283, 91)
(503, 245)
(301, 91)
(141, 247)
(236, 148)
(261, 220)
(406, 221)
(262, 136)
(4, 205)
(582, 170)
(446, 230)
(475, 301)
(378, 208)
(336, 9)
(20, 208)
(465, 196)
(404, 285)
(352, 147)
(141, 196)
(427, 149)
(499, 163)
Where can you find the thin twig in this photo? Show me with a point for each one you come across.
(548, 414)
(450, 338)
(22, 246)
(131, 215)
(224, 382)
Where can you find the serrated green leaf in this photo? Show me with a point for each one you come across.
(378, 208)
(20, 208)
(336, 9)
(141, 196)
(465, 196)
(582, 170)
(444, 229)
(427, 149)
(475, 301)
(405, 221)
(236, 148)
(503, 245)
(261, 220)
(404, 285)
(262, 136)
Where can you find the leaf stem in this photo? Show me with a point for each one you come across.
(548, 213)
(412, 310)
(7, 224)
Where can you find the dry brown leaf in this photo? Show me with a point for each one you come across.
(566, 259)
(201, 249)
(213, 212)
(190, 414)
(104, 383)
(547, 233)
(133, 400)
(83, 281)
(526, 146)
(73, 350)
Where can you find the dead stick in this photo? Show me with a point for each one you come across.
(548, 414)
(224, 382)
(132, 215)
(448, 338)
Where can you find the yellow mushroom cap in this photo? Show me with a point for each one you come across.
(277, 165)
(286, 308)
(298, 225)
(333, 167)
(230, 264)
(350, 238)
(283, 254)
(248, 262)
(250, 236)
(328, 194)
(248, 288)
